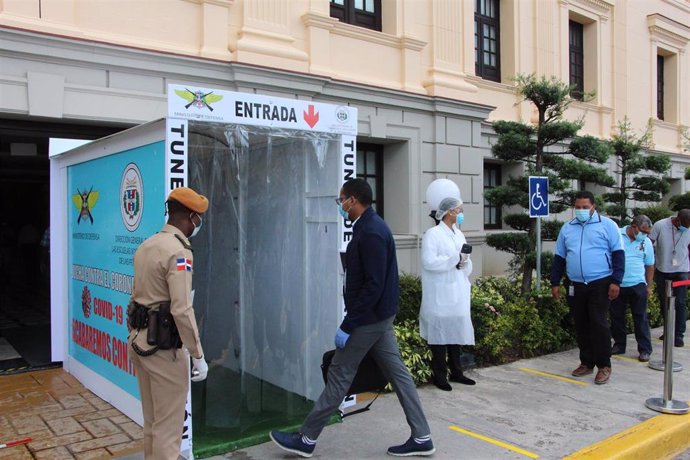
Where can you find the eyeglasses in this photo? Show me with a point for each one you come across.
(340, 201)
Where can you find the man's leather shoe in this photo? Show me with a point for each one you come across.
(617, 350)
(603, 375)
(462, 379)
(678, 342)
(582, 370)
(644, 357)
(443, 386)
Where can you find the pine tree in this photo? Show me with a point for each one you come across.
(550, 148)
(640, 177)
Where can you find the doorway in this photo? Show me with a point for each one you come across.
(25, 238)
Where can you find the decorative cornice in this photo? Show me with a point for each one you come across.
(370, 36)
(346, 30)
(318, 20)
(669, 31)
(412, 43)
(601, 8)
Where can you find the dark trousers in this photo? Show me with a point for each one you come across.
(681, 295)
(444, 357)
(590, 308)
(636, 297)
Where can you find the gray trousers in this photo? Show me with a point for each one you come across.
(380, 339)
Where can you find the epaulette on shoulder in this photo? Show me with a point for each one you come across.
(184, 243)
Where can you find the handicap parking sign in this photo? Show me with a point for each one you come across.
(538, 196)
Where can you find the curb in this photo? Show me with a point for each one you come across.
(662, 436)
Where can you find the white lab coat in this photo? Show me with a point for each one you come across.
(444, 318)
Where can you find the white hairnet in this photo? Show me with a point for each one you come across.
(446, 205)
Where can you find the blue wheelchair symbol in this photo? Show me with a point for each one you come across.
(539, 196)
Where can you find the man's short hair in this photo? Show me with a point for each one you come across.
(641, 221)
(175, 207)
(684, 217)
(360, 189)
(585, 194)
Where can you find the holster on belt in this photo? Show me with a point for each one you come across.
(162, 330)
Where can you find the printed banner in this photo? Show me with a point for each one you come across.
(214, 105)
(114, 203)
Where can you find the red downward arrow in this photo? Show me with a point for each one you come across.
(312, 118)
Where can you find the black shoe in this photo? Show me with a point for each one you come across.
(644, 357)
(412, 448)
(462, 379)
(661, 337)
(617, 350)
(445, 386)
(678, 342)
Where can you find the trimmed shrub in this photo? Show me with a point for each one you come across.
(414, 350)
(507, 326)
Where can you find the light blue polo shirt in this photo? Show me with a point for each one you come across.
(587, 247)
(638, 255)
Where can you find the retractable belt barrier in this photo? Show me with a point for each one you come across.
(667, 404)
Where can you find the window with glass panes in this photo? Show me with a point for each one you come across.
(487, 60)
(577, 56)
(362, 13)
(660, 87)
(370, 168)
(492, 213)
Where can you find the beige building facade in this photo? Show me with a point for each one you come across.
(427, 77)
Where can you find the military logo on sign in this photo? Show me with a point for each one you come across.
(132, 197)
(198, 99)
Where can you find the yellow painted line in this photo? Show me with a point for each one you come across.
(493, 441)
(627, 358)
(662, 436)
(553, 376)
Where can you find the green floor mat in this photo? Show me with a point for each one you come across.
(230, 411)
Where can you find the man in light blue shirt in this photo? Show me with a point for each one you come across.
(590, 249)
(636, 287)
(671, 238)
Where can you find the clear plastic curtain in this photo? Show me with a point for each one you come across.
(266, 273)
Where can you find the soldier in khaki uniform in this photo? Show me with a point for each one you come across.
(163, 273)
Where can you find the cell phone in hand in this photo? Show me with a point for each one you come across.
(465, 252)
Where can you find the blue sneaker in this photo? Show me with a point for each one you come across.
(293, 442)
(413, 448)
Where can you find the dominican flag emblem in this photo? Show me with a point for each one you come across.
(184, 264)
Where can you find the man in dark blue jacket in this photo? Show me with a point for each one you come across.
(371, 302)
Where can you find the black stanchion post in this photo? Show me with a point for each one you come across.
(667, 404)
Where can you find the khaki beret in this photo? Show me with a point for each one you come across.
(189, 199)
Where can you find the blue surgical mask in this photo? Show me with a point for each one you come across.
(640, 237)
(682, 229)
(343, 213)
(582, 215)
(459, 219)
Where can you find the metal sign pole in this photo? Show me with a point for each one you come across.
(667, 404)
(538, 253)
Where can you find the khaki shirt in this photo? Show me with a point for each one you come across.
(163, 273)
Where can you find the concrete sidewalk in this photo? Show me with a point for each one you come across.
(531, 408)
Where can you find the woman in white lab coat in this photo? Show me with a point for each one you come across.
(444, 318)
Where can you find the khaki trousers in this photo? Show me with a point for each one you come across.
(163, 383)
